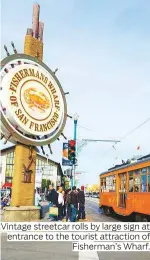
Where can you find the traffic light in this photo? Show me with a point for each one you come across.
(72, 151)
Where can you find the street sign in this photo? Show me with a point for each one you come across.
(65, 160)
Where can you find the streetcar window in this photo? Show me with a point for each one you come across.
(144, 183)
(137, 172)
(137, 183)
(130, 183)
(130, 173)
(149, 169)
(103, 184)
(149, 182)
(144, 170)
(114, 182)
(108, 184)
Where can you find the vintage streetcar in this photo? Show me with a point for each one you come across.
(125, 190)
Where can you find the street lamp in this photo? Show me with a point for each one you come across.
(75, 117)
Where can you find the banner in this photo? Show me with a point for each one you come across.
(65, 160)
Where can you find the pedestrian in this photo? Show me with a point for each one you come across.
(81, 201)
(74, 204)
(37, 198)
(64, 206)
(4, 201)
(68, 205)
(60, 203)
(52, 197)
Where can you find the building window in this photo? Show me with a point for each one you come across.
(9, 167)
(42, 163)
(8, 180)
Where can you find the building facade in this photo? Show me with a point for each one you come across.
(46, 169)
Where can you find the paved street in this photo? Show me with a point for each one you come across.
(63, 251)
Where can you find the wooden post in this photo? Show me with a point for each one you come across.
(22, 188)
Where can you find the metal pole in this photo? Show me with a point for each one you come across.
(72, 177)
(75, 138)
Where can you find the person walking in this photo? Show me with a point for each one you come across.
(52, 197)
(74, 204)
(60, 203)
(81, 201)
(4, 201)
(68, 205)
(64, 206)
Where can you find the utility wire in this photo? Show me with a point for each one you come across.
(135, 129)
(126, 135)
(84, 127)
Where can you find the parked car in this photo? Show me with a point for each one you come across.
(88, 194)
(95, 195)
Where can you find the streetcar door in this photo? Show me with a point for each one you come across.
(122, 190)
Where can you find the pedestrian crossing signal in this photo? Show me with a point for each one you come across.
(72, 151)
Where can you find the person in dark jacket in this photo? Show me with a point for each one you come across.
(68, 205)
(52, 197)
(74, 204)
(81, 200)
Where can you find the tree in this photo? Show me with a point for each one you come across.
(48, 183)
(45, 184)
(92, 188)
(95, 187)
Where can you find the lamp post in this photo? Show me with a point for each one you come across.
(75, 117)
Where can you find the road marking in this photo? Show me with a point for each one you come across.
(88, 255)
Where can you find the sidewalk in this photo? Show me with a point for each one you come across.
(88, 219)
(45, 219)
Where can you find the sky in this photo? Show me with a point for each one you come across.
(101, 49)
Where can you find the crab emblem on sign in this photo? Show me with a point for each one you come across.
(36, 99)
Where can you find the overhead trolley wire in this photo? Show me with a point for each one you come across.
(126, 135)
(135, 129)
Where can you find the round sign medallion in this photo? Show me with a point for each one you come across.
(33, 104)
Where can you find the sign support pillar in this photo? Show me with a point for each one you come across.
(23, 193)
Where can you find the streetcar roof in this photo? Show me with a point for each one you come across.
(126, 165)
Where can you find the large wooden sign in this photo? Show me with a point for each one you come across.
(33, 104)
